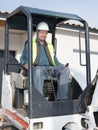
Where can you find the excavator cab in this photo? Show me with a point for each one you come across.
(40, 113)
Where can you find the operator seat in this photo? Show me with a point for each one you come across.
(19, 82)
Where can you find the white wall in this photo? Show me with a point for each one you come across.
(2, 38)
(67, 42)
(94, 53)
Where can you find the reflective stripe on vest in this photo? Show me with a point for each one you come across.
(51, 50)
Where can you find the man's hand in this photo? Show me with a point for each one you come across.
(26, 66)
(67, 64)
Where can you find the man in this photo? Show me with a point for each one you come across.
(44, 59)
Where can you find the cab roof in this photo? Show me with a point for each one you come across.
(18, 19)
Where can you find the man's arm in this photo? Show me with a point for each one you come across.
(24, 56)
(57, 62)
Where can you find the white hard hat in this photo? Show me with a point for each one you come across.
(43, 26)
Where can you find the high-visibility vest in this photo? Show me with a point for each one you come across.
(49, 51)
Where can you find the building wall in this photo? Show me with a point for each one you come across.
(1, 38)
(94, 53)
(67, 47)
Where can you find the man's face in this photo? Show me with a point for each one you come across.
(42, 35)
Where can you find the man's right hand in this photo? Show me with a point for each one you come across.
(26, 66)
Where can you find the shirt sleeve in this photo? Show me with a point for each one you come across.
(24, 56)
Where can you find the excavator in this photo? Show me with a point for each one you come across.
(22, 106)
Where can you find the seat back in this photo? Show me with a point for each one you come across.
(18, 80)
(19, 84)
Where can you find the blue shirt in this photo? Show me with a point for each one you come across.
(43, 60)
